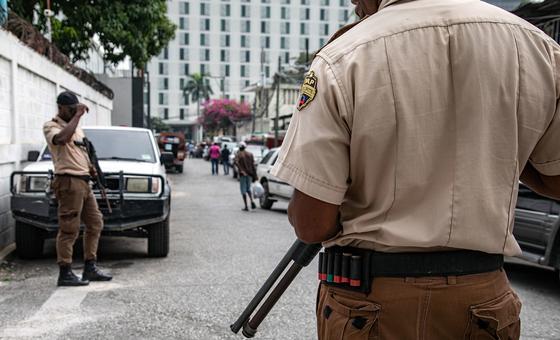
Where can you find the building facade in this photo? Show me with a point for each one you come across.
(237, 43)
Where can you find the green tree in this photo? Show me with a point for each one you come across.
(138, 29)
(158, 125)
(197, 88)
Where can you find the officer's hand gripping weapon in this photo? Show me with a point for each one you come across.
(301, 254)
(99, 176)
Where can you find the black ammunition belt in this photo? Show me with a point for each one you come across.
(355, 268)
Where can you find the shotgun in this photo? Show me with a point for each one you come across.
(301, 254)
(99, 179)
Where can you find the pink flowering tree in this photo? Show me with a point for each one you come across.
(223, 114)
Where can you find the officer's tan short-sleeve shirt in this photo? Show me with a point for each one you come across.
(68, 159)
(420, 122)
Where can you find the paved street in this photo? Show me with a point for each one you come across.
(219, 258)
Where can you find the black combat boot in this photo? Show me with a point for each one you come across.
(67, 278)
(92, 273)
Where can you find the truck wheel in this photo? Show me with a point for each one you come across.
(265, 202)
(158, 239)
(29, 241)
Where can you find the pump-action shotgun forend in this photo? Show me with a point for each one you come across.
(301, 254)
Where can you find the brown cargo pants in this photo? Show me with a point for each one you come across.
(76, 203)
(481, 306)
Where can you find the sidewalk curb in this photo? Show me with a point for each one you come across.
(7, 251)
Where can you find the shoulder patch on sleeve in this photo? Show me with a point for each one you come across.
(308, 90)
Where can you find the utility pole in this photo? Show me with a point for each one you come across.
(149, 114)
(277, 103)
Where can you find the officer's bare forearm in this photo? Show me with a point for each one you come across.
(548, 186)
(314, 221)
(65, 135)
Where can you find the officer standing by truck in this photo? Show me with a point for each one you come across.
(71, 185)
(411, 134)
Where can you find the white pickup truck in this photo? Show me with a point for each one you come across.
(137, 190)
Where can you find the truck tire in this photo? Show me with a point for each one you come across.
(265, 202)
(29, 241)
(158, 239)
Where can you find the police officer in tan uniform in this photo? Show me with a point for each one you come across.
(76, 201)
(411, 134)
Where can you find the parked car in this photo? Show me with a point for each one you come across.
(138, 191)
(274, 189)
(173, 142)
(258, 152)
(537, 228)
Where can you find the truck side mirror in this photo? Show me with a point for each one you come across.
(167, 158)
(32, 156)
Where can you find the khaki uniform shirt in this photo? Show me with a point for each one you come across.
(419, 122)
(68, 159)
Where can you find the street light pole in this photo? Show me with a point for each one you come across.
(277, 104)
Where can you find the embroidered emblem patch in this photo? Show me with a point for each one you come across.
(308, 90)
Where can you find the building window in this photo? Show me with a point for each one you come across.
(265, 42)
(205, 24)
(324, 15)
(184, 7)
(224, 55)
(245, 11)
(243, 71)
(224, 25)
(224, 70)
(166, 113)
(225, 40)
(303, 28)
(183, 23)
(265, 27)
(305, 14)
(205, 54)
(186, 69)
(162, 98)
(204, 8)
(324, 2)
(204, 39)
(245, 41)
(163, 68)
(285, 13)
(225, 10)
(246, 26)
(164, 53)
(285, 28)
(185, 100)
(182, 83)
(182, 113)
(283, 42)
(183, 54)
(163, 83)
(324, 29)
(246, 56)
(304, 44)
(287, 58)
(204, 68)
(185, 39)
(305, 2)
(265, 12)
(343, 15)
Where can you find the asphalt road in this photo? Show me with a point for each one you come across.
(219, 257)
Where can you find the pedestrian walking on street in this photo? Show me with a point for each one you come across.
(413, 128)
(215, 154)
(76, 202)
(225, 159)
(247, 174)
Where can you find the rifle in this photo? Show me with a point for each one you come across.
(99, 179)
(301, 254)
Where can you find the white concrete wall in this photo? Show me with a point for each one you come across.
(29, 84)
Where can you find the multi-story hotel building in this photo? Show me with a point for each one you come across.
(227, 39)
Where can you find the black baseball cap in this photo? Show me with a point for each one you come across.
(67, 98)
